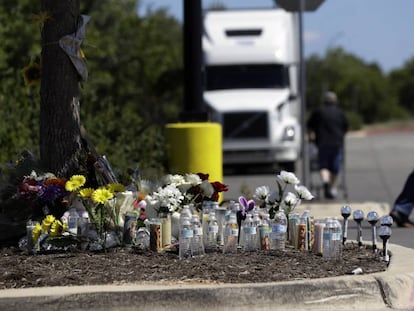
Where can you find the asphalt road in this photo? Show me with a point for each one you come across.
(376, 167)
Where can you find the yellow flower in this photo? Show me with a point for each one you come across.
(37, 230)
(47, 222)
(31, 74)
(41, 18)
(75, 182)
(58, 228)
(86, 192)
(116, 187)
(102, 195)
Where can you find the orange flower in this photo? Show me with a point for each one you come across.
(60, 182)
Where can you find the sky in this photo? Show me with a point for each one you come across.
(380, 31)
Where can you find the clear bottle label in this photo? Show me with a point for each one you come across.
(212, 229)
(278, 228)
(73, 224)
(186, 233)
(264, 230)
(327, 236)
(336, 236)
(232, 232)
(332, 236)
(276, 235)
(198, 231)
(249, 230)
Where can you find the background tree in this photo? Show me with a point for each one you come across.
(19, 105)
(135, 82)
(402, 81)
(134, 86)
(363, 90)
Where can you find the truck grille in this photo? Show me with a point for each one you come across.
(252, 124)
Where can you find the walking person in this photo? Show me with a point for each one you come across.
(327, 127)
(404, 204)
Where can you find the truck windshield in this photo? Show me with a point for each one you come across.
(261, 76)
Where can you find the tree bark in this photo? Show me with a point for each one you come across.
(60, 140)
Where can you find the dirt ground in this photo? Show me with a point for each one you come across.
(121, 265)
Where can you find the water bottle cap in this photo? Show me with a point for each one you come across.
(186, 222)
(235, 207)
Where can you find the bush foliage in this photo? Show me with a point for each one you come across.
(135, 83)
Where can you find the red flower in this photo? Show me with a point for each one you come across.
(194, 190)
(219, 187)
(30, 181)
(28, 185)
(214, 196)
(203, 176)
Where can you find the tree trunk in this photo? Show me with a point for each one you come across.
(60, 140)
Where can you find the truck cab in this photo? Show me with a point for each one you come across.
(251, 63)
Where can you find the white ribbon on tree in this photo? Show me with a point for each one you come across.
(70, 44)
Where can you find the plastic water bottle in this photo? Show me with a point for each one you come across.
(205, 213)
(211, 233)
(327, 238)
(234, 207)
(249, 234)
(197, 246)
(279, 228)
(185, 213)
(257, 222)
(256, 218)
(231, 234)
(186, 235)
(332, 239)
(338, 239)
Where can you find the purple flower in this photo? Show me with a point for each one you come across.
(246, 206)
(51, 193)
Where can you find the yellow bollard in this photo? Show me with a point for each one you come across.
(195, 147)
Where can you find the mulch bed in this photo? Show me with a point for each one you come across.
(121, 265)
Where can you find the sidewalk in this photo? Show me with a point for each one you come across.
(323, 209)
(389, 290)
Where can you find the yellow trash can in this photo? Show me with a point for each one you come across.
(195, 147)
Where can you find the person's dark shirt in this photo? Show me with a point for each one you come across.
(329, 124)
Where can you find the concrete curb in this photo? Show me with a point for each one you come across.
(389, 290)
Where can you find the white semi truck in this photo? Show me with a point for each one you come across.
(251, 62)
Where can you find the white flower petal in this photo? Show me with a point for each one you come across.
(303, 192)
(193, 179)
(288, 177)
(291, 199)
(261, 193)
(206, 188)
